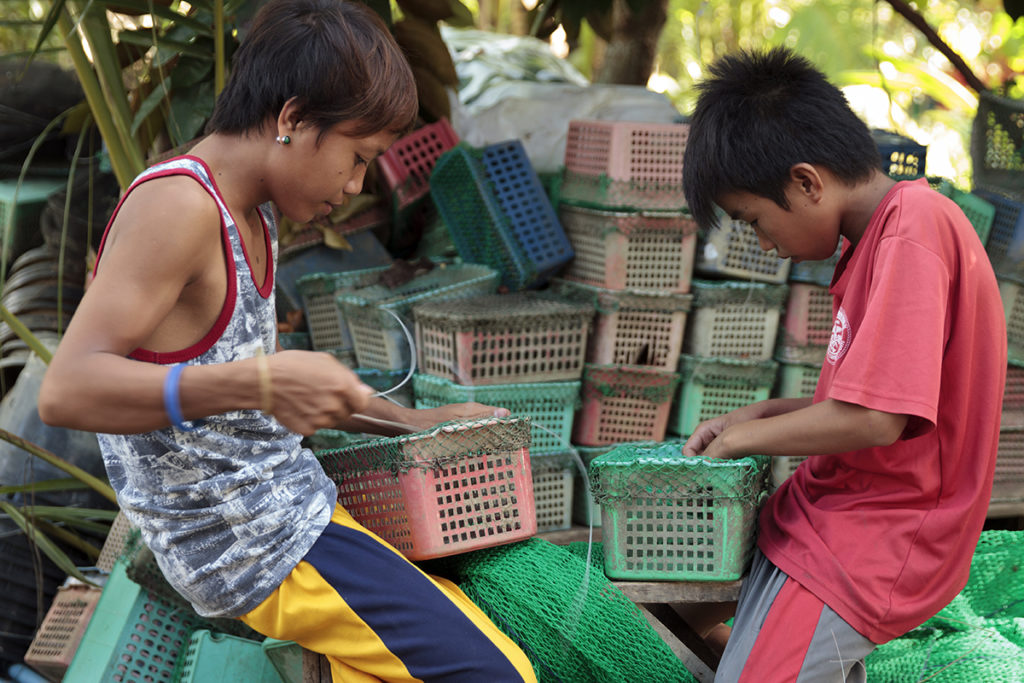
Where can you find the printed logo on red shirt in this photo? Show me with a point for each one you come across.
(840, 340)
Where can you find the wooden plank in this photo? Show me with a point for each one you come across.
(315, 668)
(680, 591)
(694, 664)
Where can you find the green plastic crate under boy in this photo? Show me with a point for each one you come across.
(217, 658)
(549, 405)
(286, 656)
(714, 386)
(133, 636)
(666, 517)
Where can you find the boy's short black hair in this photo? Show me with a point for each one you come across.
(337, 57)
(757, 115)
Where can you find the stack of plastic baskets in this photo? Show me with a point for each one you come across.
(710, 387)
(624, 403)
(457, 487)
(379, 317)
(667, 517)
(731, 249)
(522, 351)
(324, 319)
(498, 214)
(734, 319)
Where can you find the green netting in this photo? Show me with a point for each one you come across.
(727, 372)
(978, 637)
(432, 449)
(711, 293)
(573, 624)
(634, 223)
(642, 470)
(629, 381)
(604, 192)
(518, 311)
(313, 284)
(610, 301)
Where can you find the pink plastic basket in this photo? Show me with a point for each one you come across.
(406, 165)
(1013, 395)
(630, 250)
(806, 322)
(455, 488)
(625, 163)
(624, 403)
(58, 636)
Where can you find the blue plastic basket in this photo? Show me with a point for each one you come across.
(902, 158)
(1005, 245)
(498, 214)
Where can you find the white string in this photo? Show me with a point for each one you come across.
(412, 360)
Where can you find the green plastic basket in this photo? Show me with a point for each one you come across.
(667, 517)
(714, 386)
(212, 657)
(327, 328)
(376, 314)
(979, 211)
(997, 143)
(549, 405)
(286, 657)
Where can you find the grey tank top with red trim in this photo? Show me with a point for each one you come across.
(230, 508)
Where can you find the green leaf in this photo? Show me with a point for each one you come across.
(49, 21)
(190, 71)
(189, 111)
(48, 485)
(49, 548)
(161, 91)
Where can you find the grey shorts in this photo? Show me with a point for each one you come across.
(784, 633)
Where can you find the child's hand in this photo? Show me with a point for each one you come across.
(312, 390)
(702, 437)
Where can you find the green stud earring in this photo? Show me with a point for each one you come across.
(283, 139)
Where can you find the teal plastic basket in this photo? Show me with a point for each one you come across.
(979, 211)
(714, 386)
(218, 658)
(549, 405)
(667, 517)
(326, 324)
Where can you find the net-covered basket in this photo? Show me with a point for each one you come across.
(327, 328)
(549, 405)
(630, 250)
(713, 386)
(997, 143)
(977, 637)
(731, 249)
(457, 487)
(631, 326)
(625, 164)
(375, 314)
(573, 624)
(734, 319)
(671, 517)
(623, 403)
(503, 338)
(498, 214)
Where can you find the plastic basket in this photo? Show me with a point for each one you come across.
(498, 214)
(121, 530)
(370, 312)
(1012, 294)
(327, 328)
(806, 323)
(733, 319)
(213, 657)
(797, 380)
(406, 166)
(1008, 482)
(553, 483)
(1005, 245)
(671, 517)
(979, 211)
(1013, 395)
(57, 638)
(625, 164)
(631, 326)
(713, 386)
(295, 340)
(133, 636)
(783, 468)
(902, 158)
(731, 249)
(623, 403)
(502, 338)
(997, 143)
(286, 657)
(585, 510)
(549, 405)
(816, 272)
(630, 250)
(455, 488)
(387, 381)
(20, 209)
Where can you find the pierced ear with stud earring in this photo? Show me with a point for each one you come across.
(283, 139)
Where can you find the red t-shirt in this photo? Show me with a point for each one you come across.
(885, 536)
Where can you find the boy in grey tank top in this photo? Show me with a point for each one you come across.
(172, 358)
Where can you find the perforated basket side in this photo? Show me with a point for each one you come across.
(902, 157)
(997, 142)
(407, 164)
(552, 493)
(1005, 245)
(797, 380)
(57, 638)
(731, 249)
(713, 387)
(808, 315)
(1012, 295)
(979, 211)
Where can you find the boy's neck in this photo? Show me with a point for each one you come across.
(860, 204)
(238, 164)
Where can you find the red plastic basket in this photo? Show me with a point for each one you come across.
(58, 636)
(406, 165)
(453, 489)
(624, 403)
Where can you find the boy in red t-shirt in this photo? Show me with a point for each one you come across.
(874, 532)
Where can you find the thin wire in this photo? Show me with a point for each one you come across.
(412, 360)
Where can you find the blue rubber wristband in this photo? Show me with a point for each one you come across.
(172, 399)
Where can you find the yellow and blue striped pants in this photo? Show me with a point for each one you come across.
(377, 617)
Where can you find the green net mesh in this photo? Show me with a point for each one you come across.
(517, 311)
(603, 192)
(432, 449)
(605, 222)
(727, 372)
(711, 293)
(573, 624)
(608, 301)
(978, 637)
(629, 381)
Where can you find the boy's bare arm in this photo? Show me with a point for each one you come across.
(825, 427)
